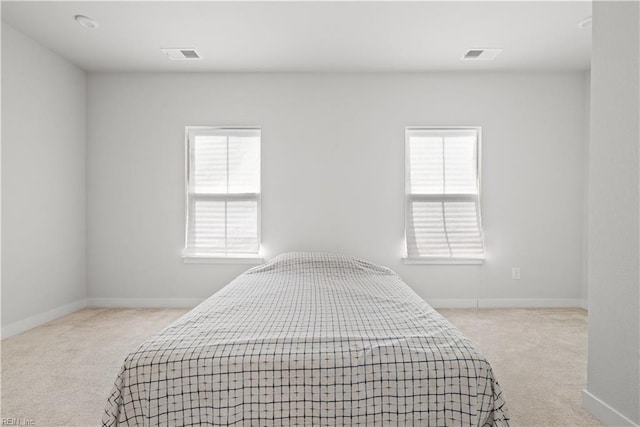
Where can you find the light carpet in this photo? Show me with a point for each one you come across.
(60, 374)
(539, 357)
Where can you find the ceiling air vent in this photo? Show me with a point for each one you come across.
(481, 54)
(181, 53)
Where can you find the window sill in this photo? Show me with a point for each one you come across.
(207, 259)
(444, 261)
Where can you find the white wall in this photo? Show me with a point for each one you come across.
(43, 183)
(333, 175)
(614, 215)
(585, 187)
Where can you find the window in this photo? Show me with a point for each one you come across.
(442, 191)
(223, 192)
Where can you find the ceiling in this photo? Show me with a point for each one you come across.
(310, 36)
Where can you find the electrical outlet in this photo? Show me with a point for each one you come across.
(515, 273)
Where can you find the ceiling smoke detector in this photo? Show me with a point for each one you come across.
(86, 22)
(178, 54)
(481, 54)
(586, 22)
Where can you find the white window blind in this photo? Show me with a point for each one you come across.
(223, 192)
(443, 194)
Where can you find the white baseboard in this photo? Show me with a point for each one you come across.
(507, 303)
(453, 302)
(530, 303)
(435, 303)
(604, 412)
(144, 302)
(40, 319)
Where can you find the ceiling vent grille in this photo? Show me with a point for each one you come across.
(481, 54)
(178, 54)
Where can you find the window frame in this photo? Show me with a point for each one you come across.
(409, 197)
(192, 257)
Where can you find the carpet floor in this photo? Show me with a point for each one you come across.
(539, 357)
(61, 373)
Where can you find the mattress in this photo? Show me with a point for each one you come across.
(309, 339)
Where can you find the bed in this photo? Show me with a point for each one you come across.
(308, 339)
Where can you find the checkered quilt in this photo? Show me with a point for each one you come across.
(308, 339)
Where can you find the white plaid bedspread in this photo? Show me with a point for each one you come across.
(309, 339)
